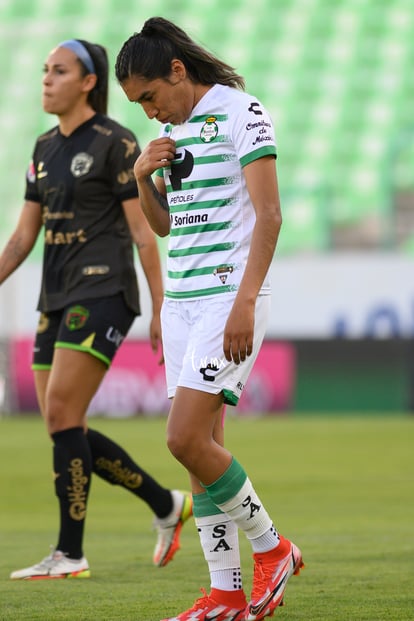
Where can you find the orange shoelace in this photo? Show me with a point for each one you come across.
(261, 576)
(201, 602)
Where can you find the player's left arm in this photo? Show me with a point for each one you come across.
(147, 246)
(262, 185)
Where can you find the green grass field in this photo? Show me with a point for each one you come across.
(342, 488)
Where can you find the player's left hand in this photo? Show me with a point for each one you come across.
(238, 332)
(156, 337)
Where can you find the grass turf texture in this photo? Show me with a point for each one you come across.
(341, 488)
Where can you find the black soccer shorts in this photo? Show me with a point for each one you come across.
(97, 327)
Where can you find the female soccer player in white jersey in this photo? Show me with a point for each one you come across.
(216, 195)
(80, 186)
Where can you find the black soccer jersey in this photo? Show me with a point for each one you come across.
(80, 182)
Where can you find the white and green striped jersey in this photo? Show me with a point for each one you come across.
(211, 213)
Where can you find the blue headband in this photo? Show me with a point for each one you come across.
(81, 52)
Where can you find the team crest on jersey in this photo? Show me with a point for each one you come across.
(222, 272)
(76, 317)
(81, 164)
(209, 130)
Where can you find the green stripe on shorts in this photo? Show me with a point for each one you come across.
(87, 350)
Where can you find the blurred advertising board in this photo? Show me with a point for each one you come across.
(135, 384)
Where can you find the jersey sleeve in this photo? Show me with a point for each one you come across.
(31, 192)
(124, 153)
(253, 133)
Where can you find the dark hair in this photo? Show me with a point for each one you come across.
(98, 97)
(149, 54)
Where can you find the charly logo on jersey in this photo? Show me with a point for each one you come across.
(209, 130)
(81, 164)
(255, 108)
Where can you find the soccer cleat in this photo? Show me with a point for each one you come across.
(54, 566)
(206, 608)
(272, 570)
(169, 528)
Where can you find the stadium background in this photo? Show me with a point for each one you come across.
(337, 78)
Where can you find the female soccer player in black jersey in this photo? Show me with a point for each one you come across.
(81, 188)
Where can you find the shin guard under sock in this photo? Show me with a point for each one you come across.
(72, 467)
(113, 464)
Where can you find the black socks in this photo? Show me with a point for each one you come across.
(72, 467)
(113, 464)
(75, 456)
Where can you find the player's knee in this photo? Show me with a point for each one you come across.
(179, 445)
(57, 414)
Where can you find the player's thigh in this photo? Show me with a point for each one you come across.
(175, 332)
(41, 380)
(73, 381)
(90, 333)
(204, 367)
(193, 415)
(43, 349)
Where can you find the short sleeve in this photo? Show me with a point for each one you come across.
(31, 192)
(252, 132)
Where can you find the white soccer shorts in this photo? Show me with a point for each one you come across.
(193, 345)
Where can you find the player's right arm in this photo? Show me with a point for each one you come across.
(157, 154)
(21, 240)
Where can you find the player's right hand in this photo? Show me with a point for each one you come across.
(157, 154)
